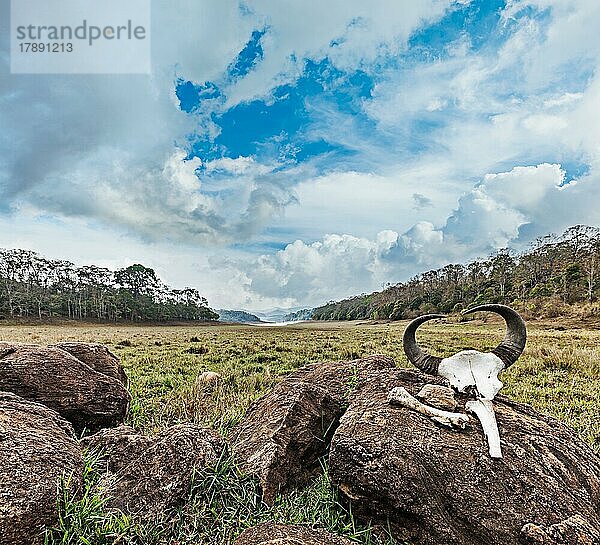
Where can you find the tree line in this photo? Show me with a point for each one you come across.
(555, 273)
(32, 286)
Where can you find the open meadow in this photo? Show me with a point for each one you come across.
(559, 374)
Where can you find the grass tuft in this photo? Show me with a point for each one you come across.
(222, 502)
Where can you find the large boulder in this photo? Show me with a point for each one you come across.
(148, 476)
(98, 357)
(86, 397)
(436, 485)
(37, 449)
(283, 436)
(270, 533)
(286, 432)
(113, 449)
(341, 378)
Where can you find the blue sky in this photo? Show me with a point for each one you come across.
(288, 154)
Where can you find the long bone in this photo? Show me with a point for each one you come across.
(471, 371)
(399, 396)
(484, 410)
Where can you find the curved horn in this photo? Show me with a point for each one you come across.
(415, 354)
(513, 344)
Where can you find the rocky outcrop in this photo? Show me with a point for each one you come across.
(440, 397)
(86, 397)
(147, 476)
(270, 533)
(437, 485)
(340, 379)
(115, 448)
(283, 436)
(573, 531)
(285, 433)
(98, 357)
(37, 449)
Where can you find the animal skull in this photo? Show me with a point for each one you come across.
(473, 372)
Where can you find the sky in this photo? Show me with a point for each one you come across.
(285, 153)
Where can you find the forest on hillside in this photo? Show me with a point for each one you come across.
(547, 280)
(32, 286)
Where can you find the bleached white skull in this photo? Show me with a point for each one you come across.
(471, 371)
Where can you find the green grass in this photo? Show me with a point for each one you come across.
(559, 375)
(222, 503)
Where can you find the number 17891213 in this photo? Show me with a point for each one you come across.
(46, 47)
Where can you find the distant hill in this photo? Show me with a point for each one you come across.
(238, 316)
(276, 314)
(299, 315)
(556, 276)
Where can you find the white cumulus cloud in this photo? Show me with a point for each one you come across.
(491, 216)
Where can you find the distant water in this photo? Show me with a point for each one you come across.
(275, 324)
